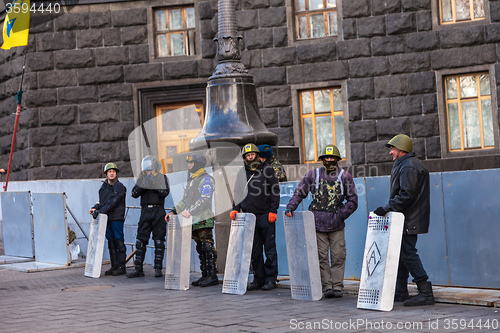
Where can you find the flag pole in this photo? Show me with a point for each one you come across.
(18, 112)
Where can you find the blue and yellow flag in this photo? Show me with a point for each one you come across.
(17, 24)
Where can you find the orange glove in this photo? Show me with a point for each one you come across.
(233, 214)
(272, 217)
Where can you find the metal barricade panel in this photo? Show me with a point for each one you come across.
(303, 261)
(95, 248)
(17, 224)
(178, 252)
(50, 228)
(239, 253)
(380, 261)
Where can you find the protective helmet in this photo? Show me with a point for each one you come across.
(330, 151)
(402, 142)
(110, 166)
(199, 161)
(266, 151)
(249, 148)
(150, 163)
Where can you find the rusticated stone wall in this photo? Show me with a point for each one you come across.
(83, 67)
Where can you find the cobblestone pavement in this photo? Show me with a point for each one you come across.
(67, 301)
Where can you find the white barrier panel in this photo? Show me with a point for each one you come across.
(95, 249)
(178, 252)
(239, 253)
(17, 224)
(302, 253)
(380, 261)
(50, 228)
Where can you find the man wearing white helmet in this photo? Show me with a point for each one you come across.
(152, 186)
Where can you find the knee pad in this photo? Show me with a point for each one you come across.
(159, 244)
(207, 247)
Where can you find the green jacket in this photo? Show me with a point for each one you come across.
(197, 200)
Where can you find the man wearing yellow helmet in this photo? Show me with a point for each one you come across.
(410, 195)
(257, 191)
(334, 200)
(112, 203)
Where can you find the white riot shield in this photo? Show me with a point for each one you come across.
(380, 261)
(239, 253)
(302, 253)
(95, 248)
(178, 252)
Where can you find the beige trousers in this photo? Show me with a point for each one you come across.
(332, 271)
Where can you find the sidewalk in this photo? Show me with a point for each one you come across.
(66, 301)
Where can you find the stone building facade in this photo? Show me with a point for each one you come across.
(93, 74)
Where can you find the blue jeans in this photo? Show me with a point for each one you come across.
(114, 230)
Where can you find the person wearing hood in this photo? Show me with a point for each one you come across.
(197, 202)
(112, 203)
(266, 155)
(257, 191)
(334, 199)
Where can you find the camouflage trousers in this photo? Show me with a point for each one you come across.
(204, 235)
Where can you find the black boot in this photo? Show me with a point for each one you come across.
(211, 263)
(112, 258)
(121, 250)
(140, 252)
(203, 265)
(159, 254)
(424, 296)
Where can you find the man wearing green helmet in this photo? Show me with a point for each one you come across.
(334, 200)
(112, 203)
(410, 195)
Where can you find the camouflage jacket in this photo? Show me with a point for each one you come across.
(197, 200)
(339, 198)
(278, 168)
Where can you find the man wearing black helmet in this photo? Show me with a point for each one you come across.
(152, 186)
(410, 195)
(257, 191)
(197, 202)
(334, 200)
(112, 203)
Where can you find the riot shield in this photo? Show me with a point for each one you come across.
(380, 261)
(302, 253)
(178, 252)
(239, 253)
(95, 248)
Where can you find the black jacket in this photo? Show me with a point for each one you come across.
(410, 193)
(152, 191)
(257, 191)
(112, 201)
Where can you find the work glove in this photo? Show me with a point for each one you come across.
(272, 217)
(288, 211)
(380, 211)
(233, 214)
(95, 214)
